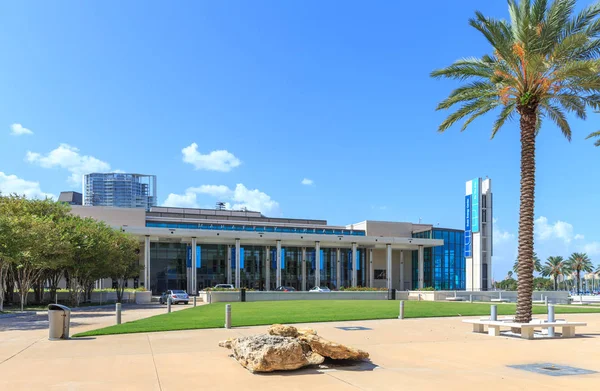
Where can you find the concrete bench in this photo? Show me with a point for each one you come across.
(455, 298)
(527, 330)
(499, 300)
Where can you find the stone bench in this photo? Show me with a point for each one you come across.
(527, 329)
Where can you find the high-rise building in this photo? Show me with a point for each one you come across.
(478, 234)
(121, 190)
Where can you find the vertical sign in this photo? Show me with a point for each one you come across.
(468, 243)
(189, 257)
(475, 195)
(198, 256)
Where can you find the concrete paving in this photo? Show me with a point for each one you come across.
(426, 354)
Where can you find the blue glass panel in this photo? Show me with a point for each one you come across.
(283, 258)
(321, 260)
(198, 257)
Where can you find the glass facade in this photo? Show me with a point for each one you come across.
(167, 266)
(211, 265)
(443, 266)
(169, 263)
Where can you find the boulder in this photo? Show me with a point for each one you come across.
(331, 349)
(268, 353)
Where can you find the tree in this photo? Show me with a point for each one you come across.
(553, 268)
(537, 264)
(577, 263)
(545, 63)
(123, 260)
(542, 284)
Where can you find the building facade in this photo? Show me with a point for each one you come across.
(194, 249)
(478, 247)
(71, 197)
(119, 190)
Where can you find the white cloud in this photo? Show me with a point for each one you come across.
(239, 198)
(592, 248)
(559, 230)
(187, 200)
(68, 157)
(218, 191)
(501, 236)
(19, 130)
(307, 182)
(220, 160)
(10, 184)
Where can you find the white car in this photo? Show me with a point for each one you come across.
(223, 286)
(320, 289)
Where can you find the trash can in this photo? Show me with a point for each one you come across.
(59, 317)
(391, 294)
(243, 294)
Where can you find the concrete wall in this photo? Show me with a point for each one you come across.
(221, 296)
(97, 297)
(487, 296)
(115, 217)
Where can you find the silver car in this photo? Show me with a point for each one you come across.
(177, 296)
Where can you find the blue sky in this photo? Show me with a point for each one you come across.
(272, 93)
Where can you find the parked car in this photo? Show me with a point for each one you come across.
(320, 289)
(285, 289)
(223, 286)
(177, 296)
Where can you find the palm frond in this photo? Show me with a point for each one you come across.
(559, 118)
(505, 115)
(595, 134)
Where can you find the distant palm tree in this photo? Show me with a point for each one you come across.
(537, 264)
(577, 263)
(509, 275)
(554, 267)
(544, 65)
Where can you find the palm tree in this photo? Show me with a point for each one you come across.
(579, 262)
(545, 63)
(509, 275)
(537, 264)
(554, 267)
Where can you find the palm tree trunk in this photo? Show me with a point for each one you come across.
(555, 284)
(526, 213)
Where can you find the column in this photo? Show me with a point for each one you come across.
(354, 266)
(194, 271)
(317, 263)
(268, 268)
(228, 264)
(303, 268)
(371, 277)
(147, 262)
(237, 263)
(388, 270)
(278, 258)
(421, 279)
(401, 270)
(338, 271)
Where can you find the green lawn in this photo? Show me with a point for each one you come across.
(269, 312)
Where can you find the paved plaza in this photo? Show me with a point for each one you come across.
(425, 354)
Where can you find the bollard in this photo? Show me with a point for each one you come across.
(227, 316)
(401, 316)
(169, 305)
(551, 319)
(494, 313)
(546, 301)
(500, 295)
(470, 298)
(118, 310)
(194, 301)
